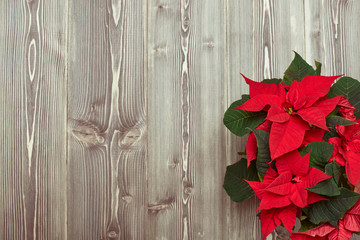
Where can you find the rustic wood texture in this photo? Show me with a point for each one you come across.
(112, 110)
(107, 123)
(33, 115)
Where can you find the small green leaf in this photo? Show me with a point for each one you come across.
(273, 80)
(332, 121)
(327, 188)
(333, 209)
(333, 169)
(263, 156)
(240, 122)
(234, 183)
(320, 154)
(307, 225)
(350, 87)
(318, 67)
(297, 70)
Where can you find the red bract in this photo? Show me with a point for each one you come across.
(291, 109)
(272, 218)
(346, 110)
(289, 185)
(347, 150)
(284, 191)
(346, 227)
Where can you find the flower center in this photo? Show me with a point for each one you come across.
(288, 107)
(296, 179)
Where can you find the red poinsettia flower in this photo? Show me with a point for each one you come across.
(346, 227)
(272, 218)
(286, 190)
(291, 109)
(347, 150)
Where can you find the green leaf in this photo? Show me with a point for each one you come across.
(332, 121)
(320, 154)
(307, 225)
(350, 87)
(241, 122)
(263, 156)
(297, 70)
(273, 80)
(318, 68)
(333, 209)
(234, 183)
(333, 169)
(327, 188)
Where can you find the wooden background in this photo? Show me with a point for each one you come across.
(112, 110)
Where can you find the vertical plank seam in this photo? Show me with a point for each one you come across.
(66, 80)
(146, 91)
(304, 32)
(226, 229)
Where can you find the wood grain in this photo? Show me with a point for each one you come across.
(33, 114)
(185, 169)
(112, 110)
(107, 121)
(332, 34)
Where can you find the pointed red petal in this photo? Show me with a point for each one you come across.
(355, 209)
(258, 102)
(257, 88)
(313, 198)
(266, 125)
(270, 176)
(267, 221)
(286, 137)
(251, 148)
(294, 163)
(341, 233)
(314, 176)
(277, 114)
(281, 185)
(319, 232)
(257, 187)
(327, 105)
(352, 222)
(337, 151)
(271, 200)
(313, 135)
(314, 116)
(314, 87)
(298, 195)
(346, 110)
(287, 216)
(352, 167)
(293, 94)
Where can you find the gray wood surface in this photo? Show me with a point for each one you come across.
(112, 110)
(33, 116)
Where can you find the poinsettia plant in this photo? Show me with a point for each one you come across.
(302, 157)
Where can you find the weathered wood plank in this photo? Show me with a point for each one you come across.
(242, 221)
(107, 121)
(186, 93)
(332, 36)
(164, 121)
(33, 116)
(261, 37)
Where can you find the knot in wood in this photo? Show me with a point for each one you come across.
(127, 199)
(88, 133)
(112, 234)
(130, 138)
